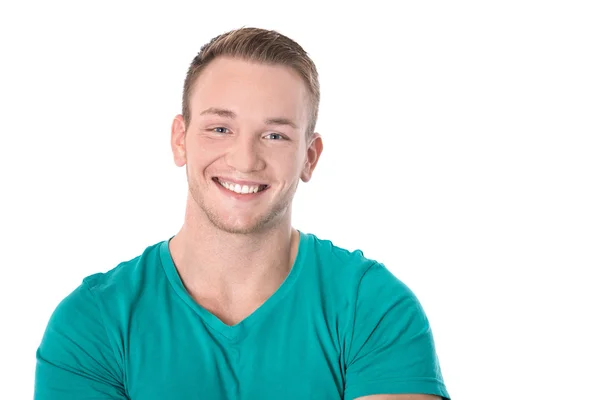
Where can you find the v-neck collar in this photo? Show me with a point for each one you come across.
(237, 331)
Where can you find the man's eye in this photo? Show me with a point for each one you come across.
(220, 129)
(274, 136)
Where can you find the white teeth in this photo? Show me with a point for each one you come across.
(237, 188)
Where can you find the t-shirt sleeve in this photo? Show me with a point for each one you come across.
(391, 350)
(75, 359)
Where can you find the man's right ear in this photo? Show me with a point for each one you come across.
(178, 141)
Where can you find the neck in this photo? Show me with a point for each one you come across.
(217, 263)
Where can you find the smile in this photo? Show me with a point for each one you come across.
(241, 189)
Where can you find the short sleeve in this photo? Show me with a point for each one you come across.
(75, 359)
(392, 350)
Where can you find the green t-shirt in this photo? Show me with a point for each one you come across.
(340, 326)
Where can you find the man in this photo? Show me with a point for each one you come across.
(239, 304)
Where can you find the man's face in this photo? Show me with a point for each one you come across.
(245, 147)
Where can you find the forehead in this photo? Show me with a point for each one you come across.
(250, 88)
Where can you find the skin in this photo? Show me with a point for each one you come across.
(231, 254)
(399, 397)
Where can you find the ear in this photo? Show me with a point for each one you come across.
(313, 152)
(178, 141)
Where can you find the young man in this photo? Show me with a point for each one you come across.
(239, 304)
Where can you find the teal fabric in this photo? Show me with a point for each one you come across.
(340, 326)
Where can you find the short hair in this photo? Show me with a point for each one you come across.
(262, 46)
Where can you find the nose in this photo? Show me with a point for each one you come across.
(244, 154)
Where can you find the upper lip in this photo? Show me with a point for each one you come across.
(240, 182)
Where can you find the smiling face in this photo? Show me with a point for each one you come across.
(245, 147)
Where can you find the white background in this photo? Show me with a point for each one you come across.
(462, 149)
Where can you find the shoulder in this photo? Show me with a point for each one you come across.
(352, 270)
(127, 278)
(82, 346)
(334, 259)
(87, 316)
(104, 298)
(386, 340)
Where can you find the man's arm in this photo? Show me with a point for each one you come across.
(75, 359)
(399, 397)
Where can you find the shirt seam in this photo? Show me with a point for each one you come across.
(432, 380)
(354, 312)
(113, 346)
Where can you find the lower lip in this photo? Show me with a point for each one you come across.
(239, 196)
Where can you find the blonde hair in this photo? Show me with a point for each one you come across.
(262, 46)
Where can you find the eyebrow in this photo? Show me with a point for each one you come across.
(222, 112)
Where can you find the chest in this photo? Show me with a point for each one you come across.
(288, 355)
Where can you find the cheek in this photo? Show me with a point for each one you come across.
(292, 169)
(203, 154)
(285, 159)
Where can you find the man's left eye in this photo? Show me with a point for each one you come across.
(275, 136)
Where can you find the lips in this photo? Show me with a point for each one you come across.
(240, 187)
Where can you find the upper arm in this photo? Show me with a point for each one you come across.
(391, 350)
(75, 359)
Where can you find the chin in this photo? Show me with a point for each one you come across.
(240, 221)
(239, 225)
